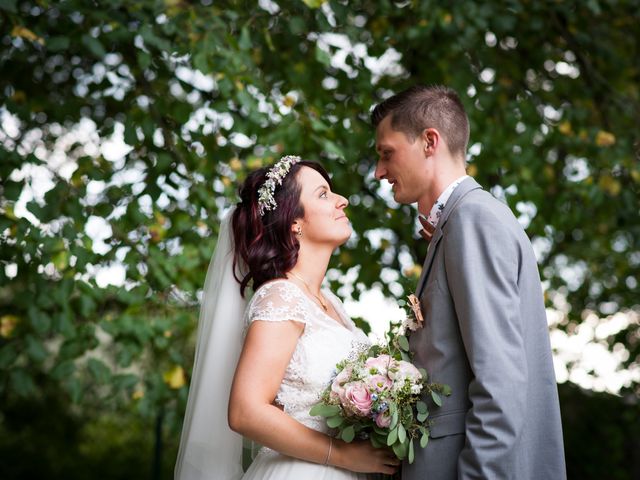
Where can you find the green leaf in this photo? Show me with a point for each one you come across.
(422, 416)
(40, 321)
(8, 355)
(436, 398)
(99, 370)
(335, 422)
(12, 190)
(323, 57)
(446, 390)
(348, 434)
(94, 46)
(323, 410)
(35, 349)
(403, 343)
(424, 439)
(63, 370)
(245, 39)
(400, 449)
(375, 441)
(22, 383)
(394, 417)
(402, 433)
(392, 437)
(421, 407)
(411, 455)
(74, 387)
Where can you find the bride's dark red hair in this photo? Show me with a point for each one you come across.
(265, 245)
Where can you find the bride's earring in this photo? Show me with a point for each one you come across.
(299, 231)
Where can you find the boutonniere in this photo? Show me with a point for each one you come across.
(416, 322)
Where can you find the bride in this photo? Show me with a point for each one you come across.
(285, 342)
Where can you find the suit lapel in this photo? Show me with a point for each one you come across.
(461, 190)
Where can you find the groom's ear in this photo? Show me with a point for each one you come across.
(431, 140)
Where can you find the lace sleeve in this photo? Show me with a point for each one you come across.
(276, 302)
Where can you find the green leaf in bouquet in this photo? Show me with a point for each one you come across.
(394, 417)
(348, 434)
(405, 356)
(392, 437)
(334, 422)
(402, 433)
(422, 416)
(374, 351)
(403, 343)
(423, 372)
(421, 407)
(411, 456)
(436, 398)
(377, 442)
(322, 410)
(400, 449)
(425, 438)
(407, 415)
(446, 390)
(380, 431)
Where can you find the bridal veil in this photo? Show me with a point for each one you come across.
(209, 449)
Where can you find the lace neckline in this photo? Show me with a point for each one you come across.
(345, 323)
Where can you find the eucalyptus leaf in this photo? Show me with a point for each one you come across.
(392, 437)
(348, 434)
(402, 433)
(324, 410)
(335, 422)
(403, 343)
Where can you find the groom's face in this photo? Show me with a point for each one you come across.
(400, 162)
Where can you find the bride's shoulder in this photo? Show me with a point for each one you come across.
(277, 286)
(279, 289)
(278, 300)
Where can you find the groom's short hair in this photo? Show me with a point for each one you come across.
(420, 107)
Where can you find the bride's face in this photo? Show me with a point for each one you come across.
(325, 221)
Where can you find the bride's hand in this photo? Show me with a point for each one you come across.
(361, 456)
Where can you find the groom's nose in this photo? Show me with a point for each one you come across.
(380, 172)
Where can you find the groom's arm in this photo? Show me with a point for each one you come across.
(482, 258)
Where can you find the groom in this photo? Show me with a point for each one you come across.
(485, 330)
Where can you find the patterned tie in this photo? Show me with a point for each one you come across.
(427, 228)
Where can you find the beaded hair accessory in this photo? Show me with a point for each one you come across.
(275, 176)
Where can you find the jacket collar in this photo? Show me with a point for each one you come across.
(467, 185)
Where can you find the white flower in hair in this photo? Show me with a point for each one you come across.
(275, 176)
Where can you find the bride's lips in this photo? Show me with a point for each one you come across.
(342, 216)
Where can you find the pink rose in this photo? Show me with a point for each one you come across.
(337, 386)
(383, 420)
(379, 383)
(380, 364)
(357, 399)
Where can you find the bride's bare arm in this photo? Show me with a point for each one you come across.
(266, 353)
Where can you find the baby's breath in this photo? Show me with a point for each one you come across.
(275, 176)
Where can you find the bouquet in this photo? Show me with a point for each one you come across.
(376, 394)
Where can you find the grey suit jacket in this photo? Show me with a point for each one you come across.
(485, 334)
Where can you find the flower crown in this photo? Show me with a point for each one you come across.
(275, 176)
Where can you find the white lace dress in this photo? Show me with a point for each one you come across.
(322, 344)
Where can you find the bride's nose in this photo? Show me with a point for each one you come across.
(342, 202)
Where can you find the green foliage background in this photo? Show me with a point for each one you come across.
(96, 377)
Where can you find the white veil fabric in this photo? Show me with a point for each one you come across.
(209, 449)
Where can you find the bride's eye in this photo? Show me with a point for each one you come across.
(323, 194)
